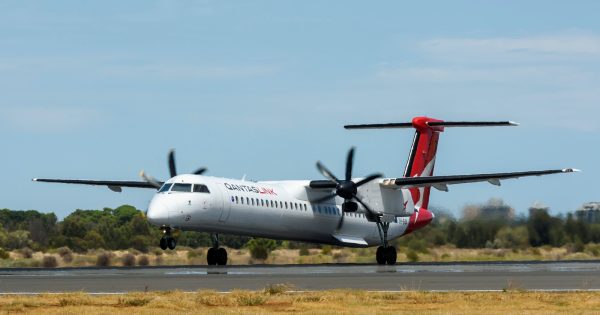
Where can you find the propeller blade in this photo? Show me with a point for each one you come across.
(324, 198)
(349, 164)
(340, 223)
(327, 173)
(150, 179)
(364, 205)
(200, 171)
(368, 179)
(172, 169)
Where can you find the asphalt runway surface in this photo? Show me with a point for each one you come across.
(574, 275)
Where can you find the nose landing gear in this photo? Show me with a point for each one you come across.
(216, 255)
(167, 241)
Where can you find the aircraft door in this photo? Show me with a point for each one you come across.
(222, 201)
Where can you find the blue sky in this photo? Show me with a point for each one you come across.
(101, 90)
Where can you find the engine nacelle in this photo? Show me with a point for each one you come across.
(388, 201)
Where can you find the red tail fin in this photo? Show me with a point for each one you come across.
(421, 160)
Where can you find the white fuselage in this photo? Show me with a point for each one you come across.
(278, 210)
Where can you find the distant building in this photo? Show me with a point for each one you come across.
(494, 209)
(538, 207)
(589, 212)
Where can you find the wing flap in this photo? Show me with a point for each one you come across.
(350, 240)
(442, 181)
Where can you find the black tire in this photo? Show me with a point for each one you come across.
(171, 243)
(391, 255)
(221, 256)
(163, 243)
(380, 255)
(211, 258)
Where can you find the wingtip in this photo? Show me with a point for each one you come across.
(513, 123)
(571, 170)
(34, 179)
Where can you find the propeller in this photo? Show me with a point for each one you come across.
(150, 179)
(172, 171)
(346, 188)
(173, 168)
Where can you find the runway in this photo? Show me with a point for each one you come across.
(574, 275)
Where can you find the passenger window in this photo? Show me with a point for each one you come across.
(281, 204)
(165, 187)
(236, 199)
(262, 202)
(182, 187)
(272, 204)
(199, 188)
(252, 201)
(247, 201)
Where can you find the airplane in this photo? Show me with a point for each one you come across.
(342, 211)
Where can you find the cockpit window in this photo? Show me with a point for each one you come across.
(182, 187)
(201, 188)
(165, 187)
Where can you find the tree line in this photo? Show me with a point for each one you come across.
(126, 227)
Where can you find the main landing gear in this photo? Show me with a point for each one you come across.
(167, 241)
(385, 254)
(216, 255)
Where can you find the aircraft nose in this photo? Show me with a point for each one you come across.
(158, 213)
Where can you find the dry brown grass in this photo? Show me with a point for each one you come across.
(318, 302)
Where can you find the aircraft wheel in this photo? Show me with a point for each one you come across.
(380, 255)
(211, 256)
(163, 243)
(171, 243)
(221, 256)
(391, 255)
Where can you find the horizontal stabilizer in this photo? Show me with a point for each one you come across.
(435, 124)
(441, 181)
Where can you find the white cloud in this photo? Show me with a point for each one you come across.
(546, 80)
(167, 71)
(514, 49)
(48, 119)
(562, 75)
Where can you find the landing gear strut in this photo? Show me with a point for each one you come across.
(167, 241)
(216, 255)
(385, 254)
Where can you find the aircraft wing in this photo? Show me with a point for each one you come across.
(114, 185)
(441, 182)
